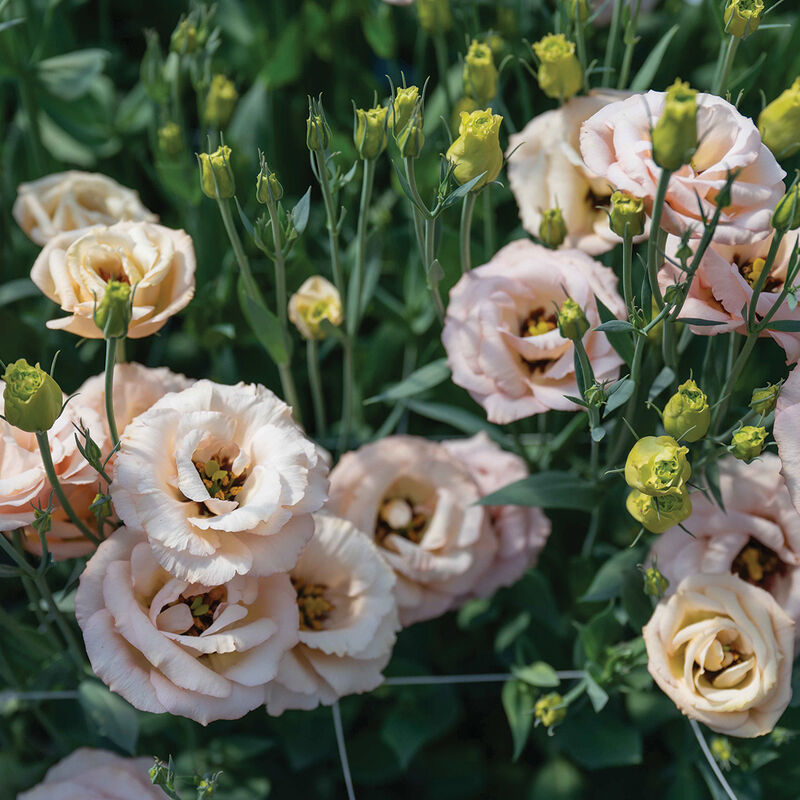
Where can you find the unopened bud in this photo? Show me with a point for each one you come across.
(318, 133)
(403, 107)
(657, 465)
(742, 17)
(675, 132)
(549, 710)
(220, 101)
(579, 9)
(216, 176)
(748, 442)
(764, 400)
(627, 212)
(369, 135)
(170, 139)
(786, 216)
(477, 149)
(560, 74)
(268, 185)
(184, 38)
(779, 122)
(315, 301)
(113, 313)
(480, 74)
(572, 321)
(434, 16)
(552, 228)
(687, 414)
(655, 584)
(659, 514)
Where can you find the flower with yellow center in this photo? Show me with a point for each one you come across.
(477, 150)
(316, 301)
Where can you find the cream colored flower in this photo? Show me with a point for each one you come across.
(87, 774)
(417, 502)
(74, 268)
(348, 620)
(222, 481)
(786, 431)
(722, 649)
(316, 300)
(197, 650)
(68, 201)
(521, 531)
(545, 170)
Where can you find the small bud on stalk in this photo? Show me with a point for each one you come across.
(655, 584)
(220, 102)
(779, 122)
(480, 74)
(552, 228)
(627, 211)
(687, 414)
(318, 133)
(572, 322)
(170, 139)
(216, 176)
(786, 216)
(659, 514)
(657, 465)
(742, 17)
(748, 442)
(316, 300)
(369, 132)
(434, 16)
(560, 73)
(477, 149)
(33, 400)
(764, 400)
(549, 710)
(113, 313)
(675, 132)
(185, 39)
(267, 184)
(578, 9)
(403, 108)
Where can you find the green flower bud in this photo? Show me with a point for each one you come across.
(721, 750)
(655, 584)
(101, 505)
(477, 149)
(675, 132)
(658, 514)
(748, 442)
(369, 134)
(786, 216)
(657, 465)
(216, 177)
(33, 400)
(462, 105)
(578, 9)
(480, 74)
(403, 107)
(627, 210)
(170, 139)
(318, 133)
(267, 184)
(560, 73)
(779, 122)
(434, 16)
(184, 38)
(42, 520)
(113, 313)
(572, 322)
(687, 414)
(549, 710)
(220, 101)
(764, 400)
(552, 228)
(411, 138)
(595, 396)
(742, 17)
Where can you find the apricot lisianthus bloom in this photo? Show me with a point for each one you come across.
(24, 484)
(74, 269)
(723, 286)
(786, 431)
(68, 201)
(416, 501)
(500, 332)
(756, 536)
(721, 649)
(521, 531)
(197, 650)
(616, 145)
(222, 481)
(99, 775)
(348, 620)
(545, 170)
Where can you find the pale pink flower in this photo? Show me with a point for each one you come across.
(756, 537)
(418, 504)
(500, 332)
(521, 531)
(348, 620)
(616, 145)
(721, 649)
(88, 774)
(545, 170)
(786, 431)
(222, 481)
(74, 269)
(68, 201)
(723, 286)
(190, 649)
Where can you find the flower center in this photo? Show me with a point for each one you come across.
(756, 563)
(203, 607)
(723, 665)
(313, 606)
(107, 263)
(537, 323)
(751, 272)
(217, 476)
(397, 515)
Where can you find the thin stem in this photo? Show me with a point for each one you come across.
(47, 460)
(430, 257)
(580, 40)
(238, 248)
(762, 278)
(340, 744)
(466, 230)
(627, 270)
(655, 234)
(440, 47)
(61, 622)
(356, 279)
(499, 677)
(721, 81)
(331, 221)
(347, 394)
(315, 381)
(611, 44)
(488, 223)
(111, 355)
(711, 760)
(730, 382)
(630, 43)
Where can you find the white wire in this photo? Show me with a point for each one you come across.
(712, 762)
(337, 726)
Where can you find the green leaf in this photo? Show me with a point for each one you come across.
(518, 704)
(17, 289)
(418, 381)
(599, 632)
(113, 717)
(615, 325)
(461, 191)
(621, 342)
(300, 212)
(286, 57)
(663, 380)
(546, 490)
(456, 417)
(597, 741)
(788, 325)
(264, 324)
(644, 77)
(699, 323)
(558, 780)
(379, 31)
(537, 674)
(620, 395)
(610, 577)
(597, 694)
(70, 75)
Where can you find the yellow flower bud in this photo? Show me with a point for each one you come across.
(763, 400)
(687, 414)
(579, 9)
(779, 122)
(552, 228)
(658, 514)
(742, 17)
(627, 210)
(477, 149)
(113, 313)
(721, 750)
(411, 138)
(216, 177)
(480, 74)
(318, 133)
(369, 135)
(434, 15)
(170, 139)
(657, 465)
(220, 101)
(748, 442)
(550, 709)
(316, 300)
(405, 101)
(675, 132)
(786, 216)
(33, 400)
(560, 73)
(462, 105)
(185, 38)
(655, 584)
(267, 184)
(572, 322)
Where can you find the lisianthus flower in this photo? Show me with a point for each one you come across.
(786, 431)
(197, 650)
(222, 481)
(501, 335)
(348, 620)
(417, 502)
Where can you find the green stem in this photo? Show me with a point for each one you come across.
(331, 221)
(466, 230)
(630, 44)
(47, 460)
(111, 355)
(611, 44)
(488, 223)
(347, 394)
(61, 622)
(653, 248)
(721, 81)
(440, 47)
(580, 40)
(762, 278)
(238, 248)
(315, 381)
(730, 382)
(356, 279)
(627, 271)
(430, 257)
